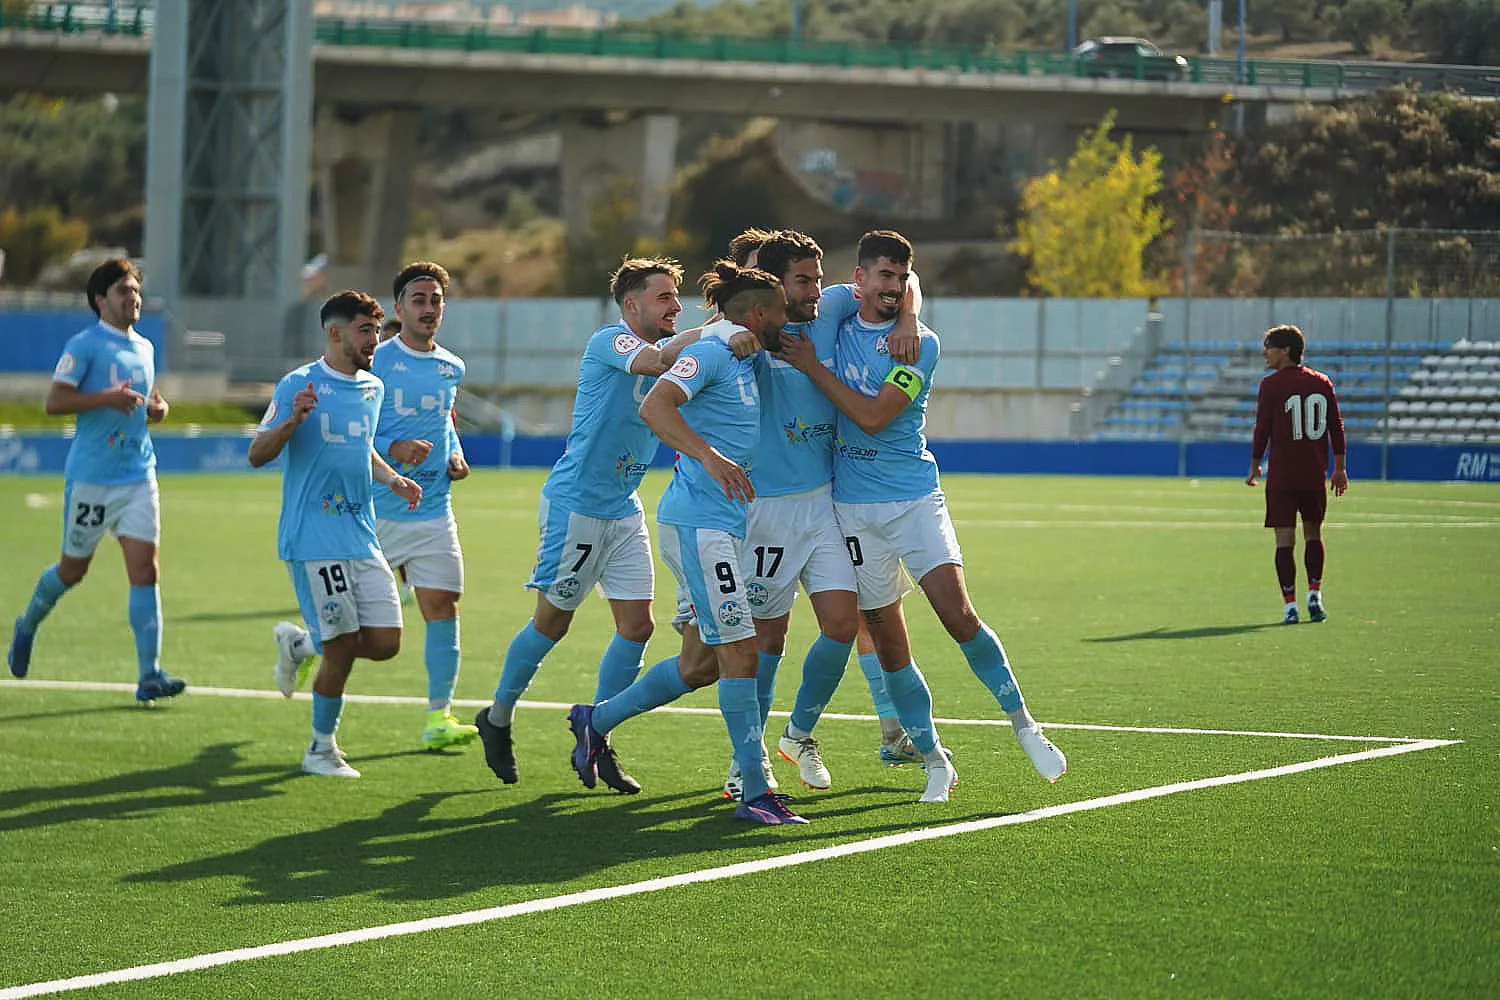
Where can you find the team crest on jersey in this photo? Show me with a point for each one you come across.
(567, 587)
(882, 348)
(755, 593)
(446, 370)
(626, 343)
(336, 503)
(686, 367)
(731, 614)
(369, 393)
(332, 613)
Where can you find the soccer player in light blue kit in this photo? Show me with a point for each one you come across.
(890, 506)
(417, 436)
(792, 535)
(323, 415)
(107, 376)
(593, 530)
(707, 408)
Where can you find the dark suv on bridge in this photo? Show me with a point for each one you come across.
(1128, 59)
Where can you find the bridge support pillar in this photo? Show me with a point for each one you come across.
(362, 167)
(226, 173)
(617, 177)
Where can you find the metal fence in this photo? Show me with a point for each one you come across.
(1406, 322)
(135, 19)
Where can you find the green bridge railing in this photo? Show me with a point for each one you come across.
(1479, 81)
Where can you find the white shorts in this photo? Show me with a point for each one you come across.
(129, 511)
(576, 553)
(706, 563)
(789, 540)
(883, 536)
(340, 596)
(427, 550)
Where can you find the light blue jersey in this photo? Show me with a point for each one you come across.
(421, 389)
(723, 407)
(797, 422)
(110, 448)
(326, 504)
(894, 464)
(609, 446)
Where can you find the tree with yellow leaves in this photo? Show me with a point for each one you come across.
(1086, 227)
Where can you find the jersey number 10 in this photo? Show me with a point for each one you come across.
(1309, 416)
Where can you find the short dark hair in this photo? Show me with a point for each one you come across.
(419, 269)
(734, 289)
(347, 305)
(634, 272)
(884, 243)
(746, 243)
(1289, 337)
(784, 248)
(103, 278)
(392, 325)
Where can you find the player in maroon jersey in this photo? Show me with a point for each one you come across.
(1297, 414)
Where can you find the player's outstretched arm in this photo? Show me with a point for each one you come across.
(905, 340)
(871, 415)
(269, 442)
(407, 489)
(64, 399)
(661, 411)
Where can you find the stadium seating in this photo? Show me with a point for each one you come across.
(1438, 394)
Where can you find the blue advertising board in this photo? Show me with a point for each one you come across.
(45, 453)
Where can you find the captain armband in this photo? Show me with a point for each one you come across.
(908, 380)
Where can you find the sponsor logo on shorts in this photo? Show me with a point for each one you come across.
(332, 613)
(566, 587)
(731, 614)
(77, 537)
(755, 593)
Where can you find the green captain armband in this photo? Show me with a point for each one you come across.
(908, 380)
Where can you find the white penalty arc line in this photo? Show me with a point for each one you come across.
(390, 699)
(489, 914)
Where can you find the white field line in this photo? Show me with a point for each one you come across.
(1236, 513)
(1204, 525)
(387, 699)
(489, 914)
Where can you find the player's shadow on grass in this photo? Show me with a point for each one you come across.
(1201, 632)
(415, 851)
(213, 777)
(215, 617)
(68, 713)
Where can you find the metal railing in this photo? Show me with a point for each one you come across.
(135, 20)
